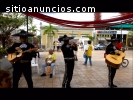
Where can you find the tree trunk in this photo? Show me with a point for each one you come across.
(50, 41)
(32, 40)
(3, 41)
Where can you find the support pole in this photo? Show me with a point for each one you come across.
(121, 33)
(27, 26)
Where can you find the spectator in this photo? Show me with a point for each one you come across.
(75, 51)
(54, 44)
(88, 52)
(82, 46)
(57, 45)
(49, 61)
(35, 45)
(5, 79)
(119, 45)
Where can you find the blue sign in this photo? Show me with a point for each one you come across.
(106, 32)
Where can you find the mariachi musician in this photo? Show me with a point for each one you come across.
(67, 50)
(111, 49)
(23, 64)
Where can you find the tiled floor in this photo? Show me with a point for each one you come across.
(84, 76)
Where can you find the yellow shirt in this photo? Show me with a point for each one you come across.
(51, 57)
(89, 51)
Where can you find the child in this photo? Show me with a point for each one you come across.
(5, 79)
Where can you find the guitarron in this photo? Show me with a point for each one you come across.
(115, 60)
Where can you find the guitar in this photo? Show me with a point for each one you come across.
(13, 57)
(115, 60)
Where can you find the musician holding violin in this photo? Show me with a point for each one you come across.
(67, 50)
(111, 49)
(22, 64)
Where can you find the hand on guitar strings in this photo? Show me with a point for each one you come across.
(117, 51)
(18, 49)
(29, 50)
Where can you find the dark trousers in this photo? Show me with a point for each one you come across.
(24, 68)
(38, 54)
(57, 48)
(111, 75)
(53, 48)
(69, 67)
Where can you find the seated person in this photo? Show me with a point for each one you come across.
(35, 45)
(5, 79)
(49, 61)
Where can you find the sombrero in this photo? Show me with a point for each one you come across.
(64, 38)
(23, 34)
(113, 38)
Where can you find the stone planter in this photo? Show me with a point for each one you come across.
(6, 65)
(2, 56)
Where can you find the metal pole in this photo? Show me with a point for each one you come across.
(27, 26)
(121, 33)
(41, 34)
(72, 32)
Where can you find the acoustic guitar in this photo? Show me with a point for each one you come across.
(13, 57)
(115, 60)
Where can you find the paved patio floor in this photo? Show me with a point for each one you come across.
(84, 76)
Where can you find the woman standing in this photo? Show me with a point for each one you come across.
(54, 45)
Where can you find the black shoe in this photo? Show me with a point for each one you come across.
(39, 57)
(43, 74)
(63, 86)
(68, 86)
(51, 75)
(112, 85)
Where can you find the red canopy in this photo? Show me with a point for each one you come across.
(97, 23)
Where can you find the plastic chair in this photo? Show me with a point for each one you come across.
(34, 63)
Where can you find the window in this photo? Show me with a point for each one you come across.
(60, 36)
(84, 36)
(74, 36)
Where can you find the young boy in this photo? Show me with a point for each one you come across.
(5, 79)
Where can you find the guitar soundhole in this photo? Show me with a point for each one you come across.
(118, 54)
(17, 53)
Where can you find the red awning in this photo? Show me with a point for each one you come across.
(123, 18)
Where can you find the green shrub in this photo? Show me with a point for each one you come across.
(2, 50)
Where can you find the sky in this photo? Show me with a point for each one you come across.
(73, 17)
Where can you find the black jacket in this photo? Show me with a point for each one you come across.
(110, 49)
(67, 50)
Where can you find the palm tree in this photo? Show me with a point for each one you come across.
(33, 29)
(91, 38)
(50, 31)
(130, 33)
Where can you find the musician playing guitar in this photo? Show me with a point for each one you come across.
(110, 49)
(23, 64)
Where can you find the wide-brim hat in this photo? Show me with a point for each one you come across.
(24, 34)
(65, 38)
(113, 38)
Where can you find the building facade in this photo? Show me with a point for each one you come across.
(77, 33)
(103, 35)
